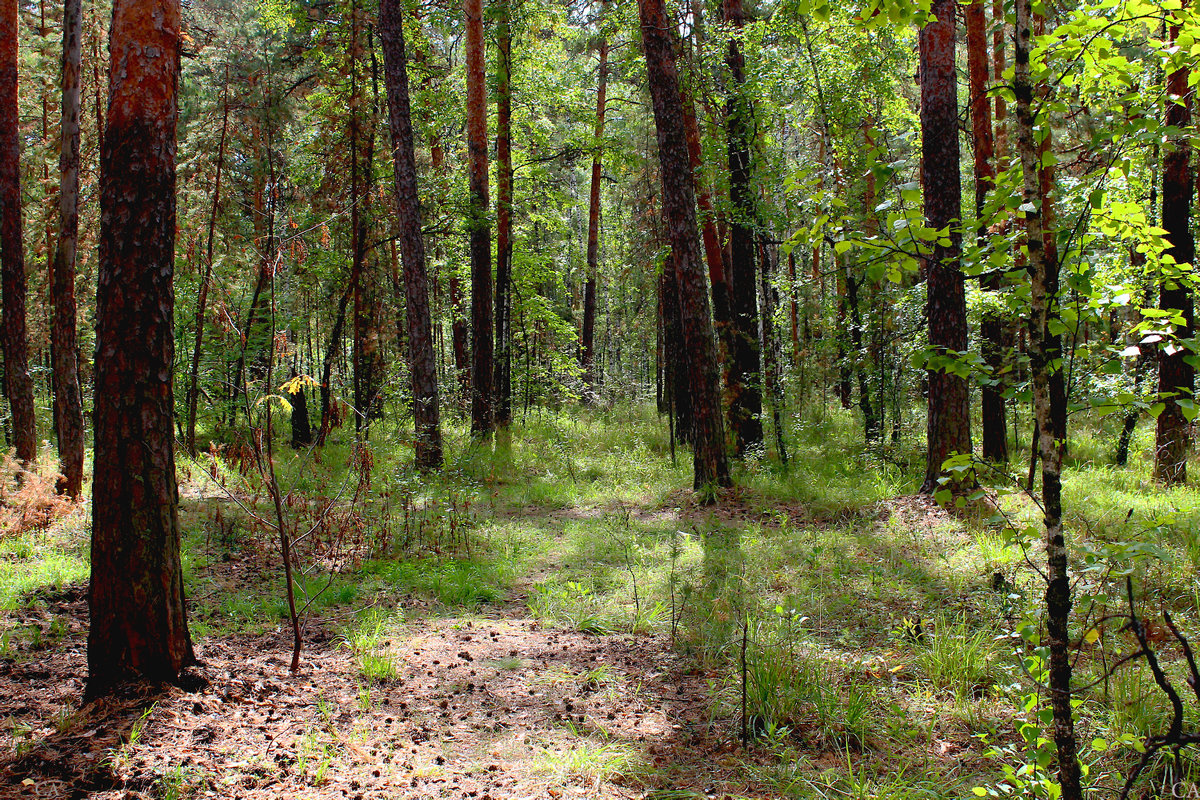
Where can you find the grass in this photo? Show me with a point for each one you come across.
(877, 632)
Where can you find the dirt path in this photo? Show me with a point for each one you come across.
(479, 707)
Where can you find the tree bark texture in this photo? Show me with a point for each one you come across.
(1176, 378)
(18, 386)
(710, 462)
(745, 361)
(423, 367)
(138, 624)
(482, 395)
(949, 417)
(993, 413)
(68, 401)
(1049, 404)
(502, 377)
(587, 339)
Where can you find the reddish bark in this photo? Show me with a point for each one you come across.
(949, 420)
(1176, 377)
(502, 385)
(993, 416)
(138, 623)
(18, 386)
(482, 412)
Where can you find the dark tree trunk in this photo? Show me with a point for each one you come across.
(193, 392)
(482, 395)
(949, 421)
(502, 378)
(331, 352)
(872, 424)
(68, 402)
(1176, 377)
(771, 349)
(586, 344)
(993, 417)
(1049, 400)
(745, 361)
(368, 358)
(301, 427)
(18, 386)
(426, 409)
(710, 462)
(138, 624)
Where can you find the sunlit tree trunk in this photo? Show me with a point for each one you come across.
(18, 386)
(949, 417)
(710, 462)
(138, 624)
(426, 412)
(1049, 402)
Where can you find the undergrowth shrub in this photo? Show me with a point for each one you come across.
(29, 500)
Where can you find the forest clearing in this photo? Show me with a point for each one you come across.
(575, 398)
(564, 619)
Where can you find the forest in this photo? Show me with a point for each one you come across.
(579, 398)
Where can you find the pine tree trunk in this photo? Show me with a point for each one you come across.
(502, 377)
(991, 332)
(426, 409)
(138, 623)
(745, 361)
(710, 462)
(586, 343)
(482, 395)
(949, 420)
(18, 386)
(1049, 407)
(1176, 377)
(68, 405)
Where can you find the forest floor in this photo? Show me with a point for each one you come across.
(585, 630)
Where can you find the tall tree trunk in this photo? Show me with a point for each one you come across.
(18, 386)
(68, 402)
(1049, 407)
(993, 417)
(502, 378)
(745, 362)
(1176, 377)
(710, 462)
(586, 354)
(949, 420)
(193, 391)
(482, 395)
(368, 359)
(138, 623)
(423, 367)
